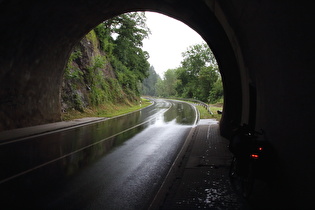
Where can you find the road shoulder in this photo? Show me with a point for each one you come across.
(46, 128)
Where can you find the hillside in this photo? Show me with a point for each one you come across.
(89, 78)
(106, 68)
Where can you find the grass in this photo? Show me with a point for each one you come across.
(108, 110)
(112, 110)
(204, 114)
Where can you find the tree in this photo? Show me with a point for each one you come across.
(121, 38)
(197, 57)
(206, 80)
(160, 88)
(166, 87)
(184, 84)
(170, 82)
(149, 83)
(131, 31)
(216, 93)
(198, 73)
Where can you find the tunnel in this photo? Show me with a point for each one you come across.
(264, 49)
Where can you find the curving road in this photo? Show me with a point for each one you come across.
(115, 164)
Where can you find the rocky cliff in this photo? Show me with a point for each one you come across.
(89, 79)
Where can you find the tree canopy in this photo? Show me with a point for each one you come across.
(198, 76)
(121, 38)
(149, 83)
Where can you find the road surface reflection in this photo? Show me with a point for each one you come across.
(38, 167)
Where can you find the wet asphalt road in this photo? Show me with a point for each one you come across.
(116, 164)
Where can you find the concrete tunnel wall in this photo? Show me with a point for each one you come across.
(262, 46)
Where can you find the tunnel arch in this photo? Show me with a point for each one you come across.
(53, 36)
(250, 39)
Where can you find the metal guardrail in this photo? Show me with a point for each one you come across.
(201, 103)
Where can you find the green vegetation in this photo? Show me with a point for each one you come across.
(72, 71)
(198, 77)
(105, 70)
(108, 71)
(108, 110)
(102, 89)
(204, 114)
(124, 52)
(92, 38)
(149, 84)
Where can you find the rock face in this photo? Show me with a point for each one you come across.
(79, 76)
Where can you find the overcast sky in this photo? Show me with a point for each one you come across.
(168, 40)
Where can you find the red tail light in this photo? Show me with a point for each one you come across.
(254, 156)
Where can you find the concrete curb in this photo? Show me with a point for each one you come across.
(10, 136)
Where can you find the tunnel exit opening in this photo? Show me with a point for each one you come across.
(46, 66)
(114, 55)
(197, 76)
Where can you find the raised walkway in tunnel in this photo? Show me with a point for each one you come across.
(200, 179)
(25, 132)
